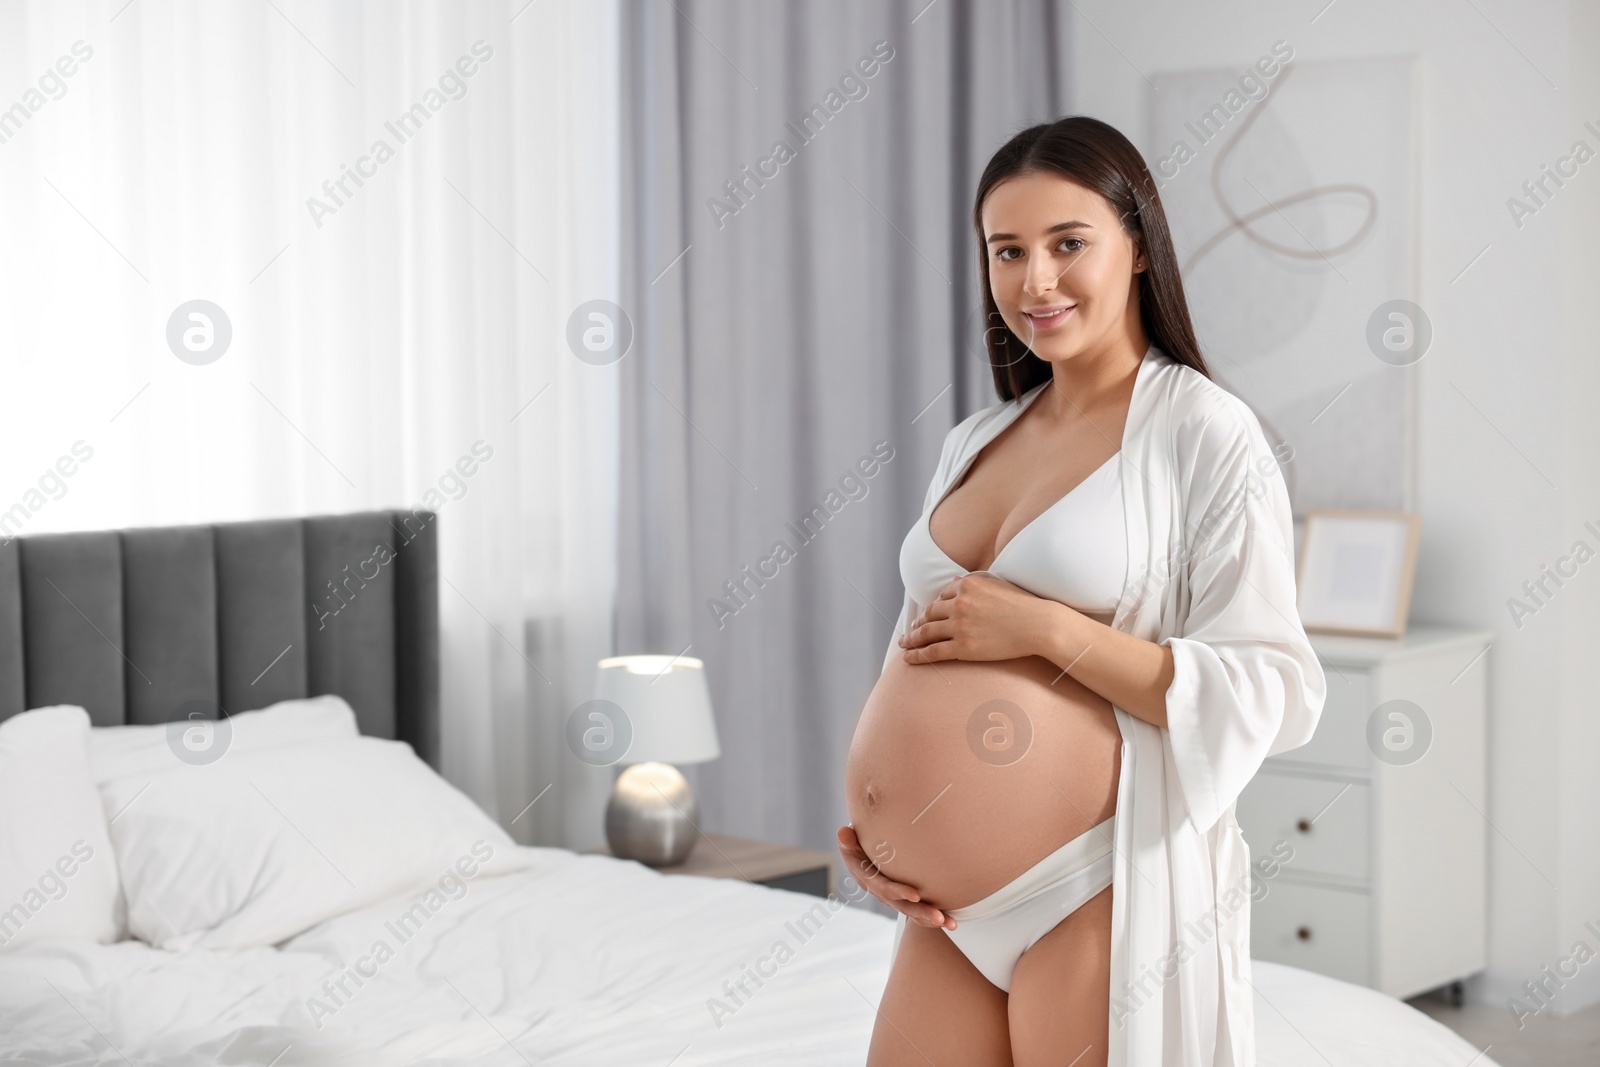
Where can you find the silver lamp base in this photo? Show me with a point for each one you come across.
(652, 815)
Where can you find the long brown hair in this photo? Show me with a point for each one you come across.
(1098, 157)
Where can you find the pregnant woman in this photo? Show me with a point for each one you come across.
(1099, 646)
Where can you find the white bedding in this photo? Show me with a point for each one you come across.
(579, 960)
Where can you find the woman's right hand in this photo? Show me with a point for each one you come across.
(899, 896)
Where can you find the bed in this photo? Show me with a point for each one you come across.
(559, 958)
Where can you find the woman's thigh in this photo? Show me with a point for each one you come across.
(1061, 992)
(937, 1009)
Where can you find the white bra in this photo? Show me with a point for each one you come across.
(1075, 552)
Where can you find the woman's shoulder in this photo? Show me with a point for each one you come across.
(1222, 460)
(960, 436)
(1204, 409)
(1192, 394)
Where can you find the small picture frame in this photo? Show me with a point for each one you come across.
(1354, 571)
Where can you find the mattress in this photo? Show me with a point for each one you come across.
(578, 960)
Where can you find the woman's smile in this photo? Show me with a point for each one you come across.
(1042, 319)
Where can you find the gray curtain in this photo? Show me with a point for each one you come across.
(824, 311)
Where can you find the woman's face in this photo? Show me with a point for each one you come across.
(1054, 245)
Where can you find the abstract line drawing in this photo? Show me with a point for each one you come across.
(1293, 217)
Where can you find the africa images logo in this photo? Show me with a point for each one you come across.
(200, 733)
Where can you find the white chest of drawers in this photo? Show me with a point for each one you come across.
(1368, 844)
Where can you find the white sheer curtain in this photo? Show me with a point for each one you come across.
(157, 153)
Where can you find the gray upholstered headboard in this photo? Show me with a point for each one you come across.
(135, 624)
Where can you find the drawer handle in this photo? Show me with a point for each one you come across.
(1304, 826)
(1304, 933)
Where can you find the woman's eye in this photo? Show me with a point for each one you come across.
(1077, 243)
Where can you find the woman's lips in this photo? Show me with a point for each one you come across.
(1049, 322)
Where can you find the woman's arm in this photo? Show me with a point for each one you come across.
(1132, 673)
(985, 617)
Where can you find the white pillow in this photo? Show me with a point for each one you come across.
(115, 751)
(58, 876)
(262, 845)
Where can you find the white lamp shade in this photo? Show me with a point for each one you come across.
(667, 704)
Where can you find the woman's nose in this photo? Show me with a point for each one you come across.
(1041, 277)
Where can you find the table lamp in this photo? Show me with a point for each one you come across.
(652, 815)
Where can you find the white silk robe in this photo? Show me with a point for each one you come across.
(1211, 576)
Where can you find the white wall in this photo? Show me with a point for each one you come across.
(1574, 658)
(1505, 91)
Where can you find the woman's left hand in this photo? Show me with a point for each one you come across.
(979, 616)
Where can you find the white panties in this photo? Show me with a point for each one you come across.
(997, 930)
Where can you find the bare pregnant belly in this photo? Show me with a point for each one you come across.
(963, 774)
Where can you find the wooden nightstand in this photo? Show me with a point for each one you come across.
(801, 870)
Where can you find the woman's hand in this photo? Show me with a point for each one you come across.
(979, 616)
(902, 898)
